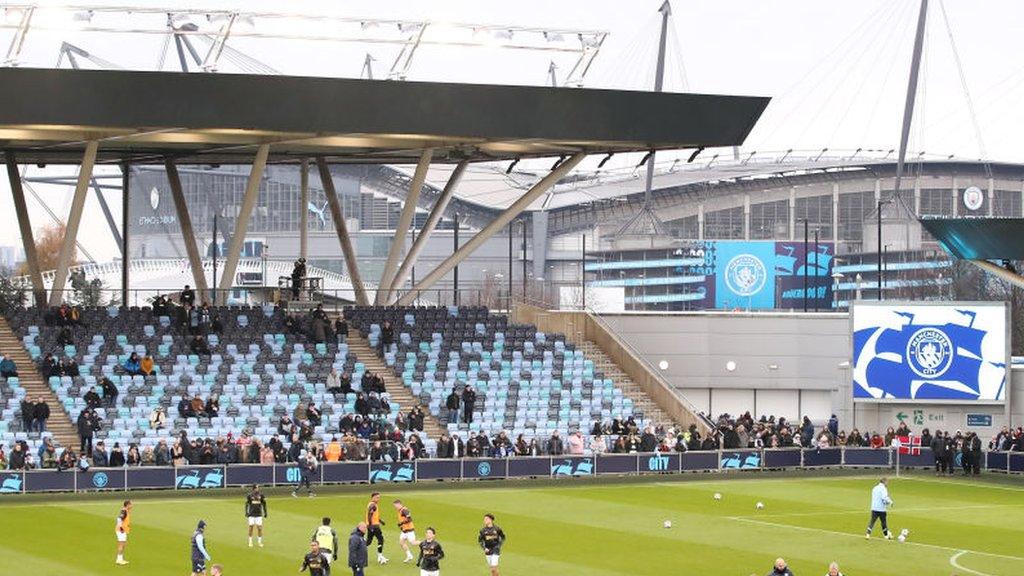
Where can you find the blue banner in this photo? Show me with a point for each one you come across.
(206, 477)
(572, 466)
(487, 468)
(823, 457)
(866, 457)
(192, 477)
(392, 472)
(346, 472)
(617, 464)
(529, 467)
(660, 462)
(695, 461)
(150, 477)
(997, 461)
(784, 458)
(438, 469)
(740, 460)
(11, 483)
(101, 479)
(246, 475)
(1016, 463)
(51, 481)
(745, 275)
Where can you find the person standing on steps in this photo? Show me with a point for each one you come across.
(452, 404)
(468, 404)
(41, 414)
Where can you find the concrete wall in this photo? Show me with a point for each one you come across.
(787, 364)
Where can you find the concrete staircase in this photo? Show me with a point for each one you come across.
(399, 393)
(641, 401)
(60, 424)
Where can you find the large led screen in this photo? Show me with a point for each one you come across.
(913, 351)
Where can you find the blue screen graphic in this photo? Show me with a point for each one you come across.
(914, 352)
(745, 275)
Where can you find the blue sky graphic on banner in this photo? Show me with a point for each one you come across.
(745, 275)
(943, 352)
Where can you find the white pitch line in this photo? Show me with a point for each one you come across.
(994, 486)
(955, 564)
(843, 512)
(849, 535)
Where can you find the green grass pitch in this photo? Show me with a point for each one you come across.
(957, 526)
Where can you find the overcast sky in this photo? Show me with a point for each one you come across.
(836, 70)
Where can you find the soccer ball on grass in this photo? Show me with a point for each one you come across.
(717, 496)
(667, 524)
(759, 506)
(904, 534)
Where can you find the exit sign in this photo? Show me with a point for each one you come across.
(979, 420)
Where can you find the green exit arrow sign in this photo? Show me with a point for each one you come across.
(901, 416)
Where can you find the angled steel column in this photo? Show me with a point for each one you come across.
(67, 248)
(252, 192)
(497, 224)
(185, 223)
(435, 216)
(351, 264)
(404, 221)
(303, 208)
(25, 227)
(1000, 272)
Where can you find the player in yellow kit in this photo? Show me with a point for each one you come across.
(408, 536)
(373, 524)
(122, 529)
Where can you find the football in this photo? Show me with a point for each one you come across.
(759, 506)
(717, 496)
(667, 524)
(904, 534)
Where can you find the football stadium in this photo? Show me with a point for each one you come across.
(588, 288)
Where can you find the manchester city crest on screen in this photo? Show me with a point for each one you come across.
(940, 352)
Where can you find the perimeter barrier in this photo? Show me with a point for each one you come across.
(237, 475)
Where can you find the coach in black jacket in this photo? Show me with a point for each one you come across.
(972, 454)
(357, 558)
(938, 447)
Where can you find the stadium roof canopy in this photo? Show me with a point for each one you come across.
(979, 238)
(48, 116)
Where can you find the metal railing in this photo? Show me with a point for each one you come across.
(651, 368)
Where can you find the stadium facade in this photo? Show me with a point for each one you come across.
(713, 210)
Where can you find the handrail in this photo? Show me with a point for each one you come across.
(651, 369)
(581, 333)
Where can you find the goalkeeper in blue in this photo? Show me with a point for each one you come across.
(880, 504)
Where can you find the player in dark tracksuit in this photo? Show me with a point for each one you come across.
(491, 539)
(316, 561)
(431, 554)
(255, 512)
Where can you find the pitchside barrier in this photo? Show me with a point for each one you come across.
(234, 475)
